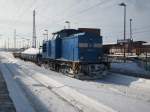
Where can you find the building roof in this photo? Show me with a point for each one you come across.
(140, 42)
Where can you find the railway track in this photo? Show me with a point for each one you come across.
(6, 104)
(69, 98)
(115, 86)
(44, 85)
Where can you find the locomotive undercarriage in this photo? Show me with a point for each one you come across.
(78, 69)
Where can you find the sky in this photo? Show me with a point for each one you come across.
(52, 14)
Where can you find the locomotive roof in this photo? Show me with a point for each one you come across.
(67, 31)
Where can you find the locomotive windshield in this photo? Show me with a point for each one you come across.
(55, 36)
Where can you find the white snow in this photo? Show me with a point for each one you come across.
(19, 99)
(42, 99)
(114, 92)
(31, 51)
(129, 67)
(79, 101)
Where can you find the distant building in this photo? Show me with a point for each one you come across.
(130, 47)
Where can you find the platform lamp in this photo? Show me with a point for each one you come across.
(124, 5)
(68, 23)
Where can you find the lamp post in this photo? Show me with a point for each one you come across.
(28, 43)
(124, 5)
(131, 35)
(0, 37)
(8, 43)
(68, 23)
(46, 34)
(15, 39)
(131, 38)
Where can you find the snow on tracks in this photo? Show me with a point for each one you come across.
(20, 101)
(78, 100)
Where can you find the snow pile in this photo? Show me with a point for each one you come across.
(144, 55)
(31, 51)
(129, 68)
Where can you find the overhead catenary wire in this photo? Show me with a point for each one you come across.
(128, 34)
(145, 31)
(68, 9)
(94, 6)
(135, 30)
(23, 12)
(81, 12)
(102, 2)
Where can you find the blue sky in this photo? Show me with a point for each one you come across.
(52, 14)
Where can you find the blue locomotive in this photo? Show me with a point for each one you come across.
(77, 53)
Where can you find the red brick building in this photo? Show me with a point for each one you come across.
(130, 47)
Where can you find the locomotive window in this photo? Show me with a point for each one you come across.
(83, 45)
(97, 45)
(55, 36)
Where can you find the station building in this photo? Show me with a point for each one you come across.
(131, 48)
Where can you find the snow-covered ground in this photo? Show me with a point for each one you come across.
(130, 67)
(46, 90)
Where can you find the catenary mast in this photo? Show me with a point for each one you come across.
(34, 31)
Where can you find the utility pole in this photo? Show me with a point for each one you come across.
(28, 42)
(131, 34)
(34, 31)
(22, 43)
(19, 44)
(5, 45)
(15, 39)
(8, 43)
(131, 38)
(46, 33)
(124, 5)
(64, 27)
(2, 40)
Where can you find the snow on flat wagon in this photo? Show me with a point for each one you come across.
(30, 54)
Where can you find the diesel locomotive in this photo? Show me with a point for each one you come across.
(75, 52)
